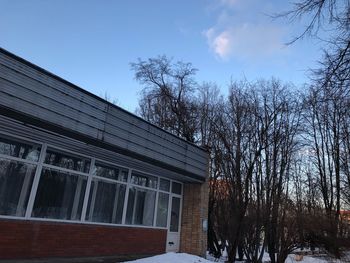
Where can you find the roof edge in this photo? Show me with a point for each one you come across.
(42, 70)
(49, 126)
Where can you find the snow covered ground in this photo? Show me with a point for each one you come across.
(172, 258)
(187, 258)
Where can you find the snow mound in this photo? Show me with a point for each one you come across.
(172, 257)
(187, 258)
(306, 259)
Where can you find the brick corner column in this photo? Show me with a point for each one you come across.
(194, 214)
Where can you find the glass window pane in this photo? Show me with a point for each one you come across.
(106, 202)
(164, 185)
(68, 161)
(175, 214)
(141, 205)
(176, 188)
(144, 180)
(111, 172)
(15, 184)
(20, 150)
(162, 209)
(60, 195)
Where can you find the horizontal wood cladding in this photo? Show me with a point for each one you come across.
(33, 91)
(36, 239)
(13, 127)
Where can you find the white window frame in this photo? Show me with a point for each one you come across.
(40, 164)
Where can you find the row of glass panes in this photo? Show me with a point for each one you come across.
(72, 187)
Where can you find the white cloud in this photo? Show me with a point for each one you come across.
(246, 41)
(243, 32)
(222, 44)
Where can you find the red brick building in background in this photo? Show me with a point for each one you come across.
(345, 215)
(81, 177)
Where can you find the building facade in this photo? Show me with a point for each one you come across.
(81, 177)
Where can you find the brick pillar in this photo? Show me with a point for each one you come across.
(194, 212)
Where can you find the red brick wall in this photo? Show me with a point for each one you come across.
(194, 211)
(34, 239)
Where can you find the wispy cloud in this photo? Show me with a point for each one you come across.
(245, 41)
(220, 43)
(241, 35)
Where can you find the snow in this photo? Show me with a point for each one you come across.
(187, 258)
(306, 259)
(172, 257)
(318, 259)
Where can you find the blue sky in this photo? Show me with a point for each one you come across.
(91, 43)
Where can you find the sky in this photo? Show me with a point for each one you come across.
(91, 43)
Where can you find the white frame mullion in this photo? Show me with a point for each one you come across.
(180, 196)
(116, 199)
(61, 150)
(87, 191)
(108, 180)
(75, 222)
(170, 203)
(61, 169)
(24, 190)
(125, 207)
(40, 165)
(12, 158)
(144, 187)
(78, 192)
(156, 204)
(93, 199)
(36, 181)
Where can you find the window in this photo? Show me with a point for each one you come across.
(162, 209)
(67, 161)
(20, 150)
(144, 180)
(111, 172)
(16, 177)
(60, 195)
(176, 188)
(164, 185)
(106, 202)
(63, 185)
(106, 199)
(175, 214)
(15, 184)
(141, 206)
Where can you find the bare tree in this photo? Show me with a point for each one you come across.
(237, 150)
(209, 105)
(257, 140)
(279, 159)
(167, 96)
(329, 21)
(326, 112)
(282, 112)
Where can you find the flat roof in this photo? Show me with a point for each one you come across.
(22, 60)
(38, 97)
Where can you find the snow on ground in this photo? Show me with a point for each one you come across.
(187, 258)
(319, 259)
(172, 257)
(306, 259)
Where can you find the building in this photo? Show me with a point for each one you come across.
(345, 216)
(81, 177)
